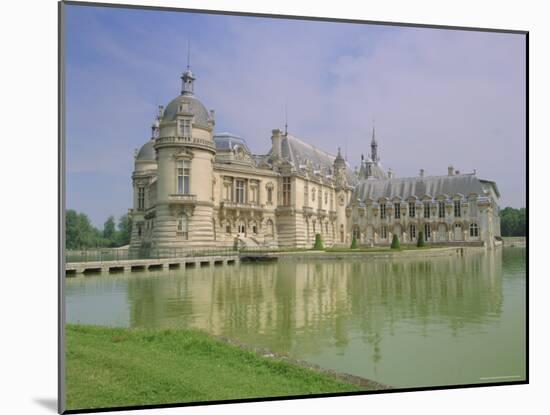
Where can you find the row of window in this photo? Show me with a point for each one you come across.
(473, 228)
(427, 210)
(240, 192)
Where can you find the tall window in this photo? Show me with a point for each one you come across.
(239, 191)
(412, 209)
(474, 230)
(383, 211)
(254, 194)
(183, 226)
(383, 232)
(141, 198)
(185, 128)
(183, 177)
(426, 209)
(457, 208)
(313, 194)
(397, 209)
(269, 195)
(412, 231)
(306, 193)
(427, 231)
(326, 198)
(286, 191)
(441, 206)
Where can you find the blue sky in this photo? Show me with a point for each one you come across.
(438, 97)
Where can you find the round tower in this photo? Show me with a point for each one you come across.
(185, 156)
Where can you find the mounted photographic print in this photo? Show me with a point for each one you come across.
(272, 207)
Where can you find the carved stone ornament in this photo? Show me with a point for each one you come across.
(184, 153)
(177, 211)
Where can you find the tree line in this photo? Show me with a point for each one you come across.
(513, 222)
(81, 234)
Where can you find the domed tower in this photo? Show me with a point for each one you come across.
(143, 181)
(185, 155)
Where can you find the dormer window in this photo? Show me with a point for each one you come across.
(185, 128)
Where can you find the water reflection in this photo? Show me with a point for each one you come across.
(361, 317)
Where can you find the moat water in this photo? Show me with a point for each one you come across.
(404, 322)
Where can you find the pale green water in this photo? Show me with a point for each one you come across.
(405, 323)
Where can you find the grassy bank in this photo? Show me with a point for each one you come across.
(109, 367)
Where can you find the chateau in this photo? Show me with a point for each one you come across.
(194, 188)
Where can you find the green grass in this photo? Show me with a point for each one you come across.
(109, 367)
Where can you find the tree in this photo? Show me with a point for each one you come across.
(513, 222)
(109, 228)
(318, 242)
(353, 242)
(79, 231)
(124, 230)
(395, 242)
(420, 242)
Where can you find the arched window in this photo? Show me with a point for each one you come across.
(412, 231)
(412, 209)
(441, 209)
(427, 206)
(457, 208)
(383, 232)
(270, 227)
(427, 231)
(474, 230)
(382, 211)
(182, 227)
(397, 210)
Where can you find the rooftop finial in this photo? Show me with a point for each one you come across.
(188, 54)
(286, 119)
(187, 78)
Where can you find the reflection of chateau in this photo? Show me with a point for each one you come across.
(290, 306)
(196, 188)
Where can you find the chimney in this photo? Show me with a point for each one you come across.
(390, 173)
(450, 170)
(421, 173)
(276, 143)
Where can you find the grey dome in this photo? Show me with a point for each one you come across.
(228, 141)
(147, 152)
(195, 107)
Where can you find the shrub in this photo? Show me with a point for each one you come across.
(353, 242)
(318, 242)
(421, 242)
(395, 242)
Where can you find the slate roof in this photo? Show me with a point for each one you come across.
(299, 152)
(147, 152)
(228, 141)
(432, 186)
(201, 114)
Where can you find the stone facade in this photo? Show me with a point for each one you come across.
(197, 189)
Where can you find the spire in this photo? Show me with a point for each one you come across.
(374, 147)
(187, 78)
(286, 119)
